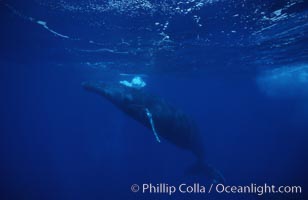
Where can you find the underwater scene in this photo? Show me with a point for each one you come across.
(153, 99)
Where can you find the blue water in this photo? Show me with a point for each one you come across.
(238, 68)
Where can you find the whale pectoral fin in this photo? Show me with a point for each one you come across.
(149, 115)
(209, 172)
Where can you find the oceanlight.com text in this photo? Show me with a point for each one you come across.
(197, 188)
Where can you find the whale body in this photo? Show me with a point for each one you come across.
(161, 117)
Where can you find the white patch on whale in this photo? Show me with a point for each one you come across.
(136, 82)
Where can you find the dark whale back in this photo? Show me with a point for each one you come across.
(170, 123)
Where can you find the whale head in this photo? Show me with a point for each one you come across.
(116, 93)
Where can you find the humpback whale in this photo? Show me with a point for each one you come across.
(163, 119)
